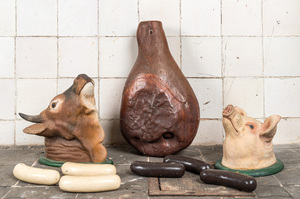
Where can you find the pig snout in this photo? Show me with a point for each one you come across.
(228, 111)
(232, 119)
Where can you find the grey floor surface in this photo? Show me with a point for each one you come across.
(285, 184)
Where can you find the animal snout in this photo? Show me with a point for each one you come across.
(85, 77)
(228, 110)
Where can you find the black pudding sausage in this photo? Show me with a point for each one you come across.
(229, 179)
(157, 169)
(190, 164)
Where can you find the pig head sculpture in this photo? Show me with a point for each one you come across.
(248, 142)
(70, 125)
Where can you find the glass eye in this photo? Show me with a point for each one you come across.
(53, 105)
(251, 126)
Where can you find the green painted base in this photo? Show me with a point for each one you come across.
(54, 163)
(275, 168)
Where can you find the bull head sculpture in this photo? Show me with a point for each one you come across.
(70, 125)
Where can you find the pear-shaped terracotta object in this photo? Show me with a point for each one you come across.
(159, 112)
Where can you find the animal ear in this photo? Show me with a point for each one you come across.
(35, 129)
(269, 127)
(89, 104)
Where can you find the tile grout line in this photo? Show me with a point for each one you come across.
(222, 62)
(188, 77)
(6, 193)
(57, 47)
(180, 36)
(263, 62)
(138, 11)
(15, 77)
(201, 119)
(222, 55)
(122, 36)
(98, 64)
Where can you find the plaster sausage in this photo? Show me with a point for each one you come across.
(157, 169)
(36, 175)
(190, 164)
(80, 169)
(89, 183)
(229, 179)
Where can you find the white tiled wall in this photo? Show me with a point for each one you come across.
(241, 52)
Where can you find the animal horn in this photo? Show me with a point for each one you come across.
(32, 118)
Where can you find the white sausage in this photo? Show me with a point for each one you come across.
(80, 169)
(36, 175)
(89, 183)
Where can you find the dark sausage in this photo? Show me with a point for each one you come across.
(190, 164)
(157, 169)
(229, 179)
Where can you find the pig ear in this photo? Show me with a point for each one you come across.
(269, 127)
(35, 129)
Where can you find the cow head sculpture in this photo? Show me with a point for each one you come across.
(70, 125)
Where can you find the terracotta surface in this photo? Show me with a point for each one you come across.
(70, 125)
(248, 142)
(159, 112)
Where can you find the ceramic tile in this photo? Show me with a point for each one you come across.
(287, 127)
(117, 56)
(200, 17)
(7, 55)
(281, 17)
(34, 95)
(281, 56)
(77, 18)
(7, 105)
(7, 18)
(271, 191)
(110, 97)
(40, 192)
(64, 84)
(37, 18)
(118, 18)
(241, 17)
(282, 97)
(242, 56)
(26, 139)
(209, 95)
(7, 132)
(247, 93)
(174, 46)
(201, 57)
(209, 133)
(78, 55)
(112, 132)
(168, 12)
(36, 57)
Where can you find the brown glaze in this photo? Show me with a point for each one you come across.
(229, 179)
(159, 112)
(157, 169)
(70, 125)
(190, 164)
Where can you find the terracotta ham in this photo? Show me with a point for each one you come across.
(159, 112)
